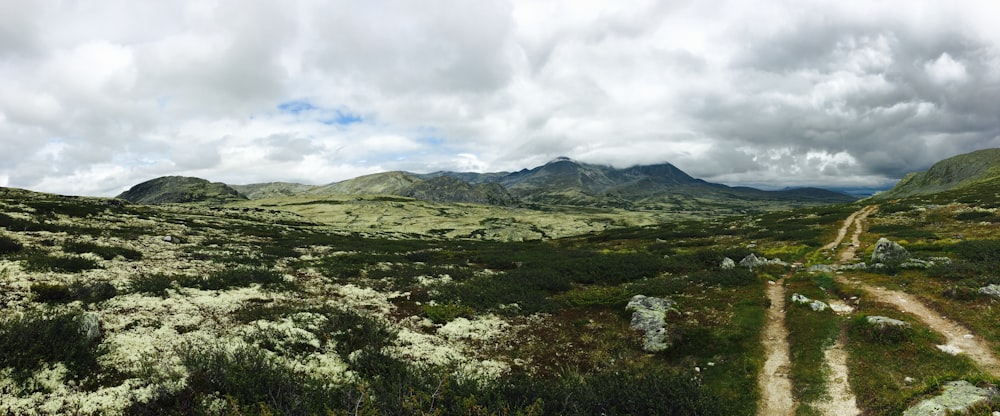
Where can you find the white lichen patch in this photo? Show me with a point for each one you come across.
(356, 297)
(440, 279)
(480, 328)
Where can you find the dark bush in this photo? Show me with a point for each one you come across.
(106, 252)
(66, 264)
(84, 292)
(51, 293)
(31, 340)
(9, 245)
(977, 216)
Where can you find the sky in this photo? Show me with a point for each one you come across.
(97, 96)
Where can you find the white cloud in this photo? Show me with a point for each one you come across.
(815, 92)
(945, 69)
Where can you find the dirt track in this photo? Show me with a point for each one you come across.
(776, 387)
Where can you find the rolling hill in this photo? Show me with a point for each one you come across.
(955, 173)
(180, 189)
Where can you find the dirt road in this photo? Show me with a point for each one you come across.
(957, 335)
(775, 386)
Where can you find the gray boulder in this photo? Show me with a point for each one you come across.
(957, 396)
(815, 305)
(650, 316)
(727, 264)
(991, 290)
(820, 268)
(90, 325)
(884, 322)
(916, 264)
(751, 261)
(886, 251)
(855, 266)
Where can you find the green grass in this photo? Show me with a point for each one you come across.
(810, 333)
(880, 360)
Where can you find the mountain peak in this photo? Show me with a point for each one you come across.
(560, 159)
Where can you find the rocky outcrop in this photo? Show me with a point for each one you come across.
(991, 290)
(956, 397)
(889, 251)
(650, 316)
(752, 260)
(815, 305)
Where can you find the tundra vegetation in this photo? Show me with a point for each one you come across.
(262, 308)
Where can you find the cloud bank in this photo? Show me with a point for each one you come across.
(98, 96)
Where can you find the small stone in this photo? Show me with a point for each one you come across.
(968, 336)
(908, 380)
(168, 239)
(950, 349)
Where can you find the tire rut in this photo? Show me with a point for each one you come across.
(774, 382)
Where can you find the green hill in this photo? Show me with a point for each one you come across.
(180, 189)
(962, 171)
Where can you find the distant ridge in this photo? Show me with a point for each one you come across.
(562, 181)
(180, 189)
(271, 189)
(958, 172)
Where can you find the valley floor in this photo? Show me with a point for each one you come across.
(128, 309)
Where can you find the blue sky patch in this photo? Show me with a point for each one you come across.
(296, 106)
(342, 118)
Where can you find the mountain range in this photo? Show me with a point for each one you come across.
(562, 181)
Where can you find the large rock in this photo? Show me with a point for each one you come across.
(727, 264)
(752, 260)
(991, 290)
(884, 322)
(957, 397)
(889, 251)
(90, 325)
(650, 316)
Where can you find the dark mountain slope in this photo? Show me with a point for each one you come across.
(180, 189)
(957, 172)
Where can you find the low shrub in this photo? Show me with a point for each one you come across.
(596, 296)
(40, 262)
(443, 313)
(106, 252)
(32, 340)
(881, 334)
(158, 283)
(77, 291)
(977, 216)
(9, 245)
